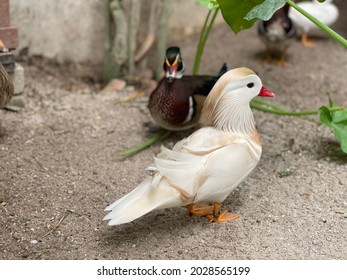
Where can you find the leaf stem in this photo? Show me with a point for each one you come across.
(203, 38)
(162, 37)
(278, 110)
(272, 108)
(159, 136)
(321, 25)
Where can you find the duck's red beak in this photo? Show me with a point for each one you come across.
(171, 72)
(265, 92)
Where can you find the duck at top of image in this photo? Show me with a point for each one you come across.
(277, 34)
(176, 102)
(326, 12)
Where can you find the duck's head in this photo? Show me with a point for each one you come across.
(174, 64)
(228, 104)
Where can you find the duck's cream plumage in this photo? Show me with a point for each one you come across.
(210, 163)
(325, 12)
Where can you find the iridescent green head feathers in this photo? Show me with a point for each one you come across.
(174, 64)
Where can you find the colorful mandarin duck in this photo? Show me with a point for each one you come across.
(177, 101)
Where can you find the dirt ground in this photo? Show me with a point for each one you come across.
(59, 165)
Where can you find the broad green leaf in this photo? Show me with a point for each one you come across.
(340, 132)
(337, 121)
(234, 12)
(265, 10)
(343, 141)
(325, 116)
(340, 116)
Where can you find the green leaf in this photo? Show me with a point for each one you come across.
(234, 12)
(265, 10)
(337, 121)
(285, 173)
(210, 4)
(325, 116)
(340, 116)
(340, 132)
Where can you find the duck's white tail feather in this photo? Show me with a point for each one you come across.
(152, 193)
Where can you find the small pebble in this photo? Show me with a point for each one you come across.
(33, 241)
(114, 85)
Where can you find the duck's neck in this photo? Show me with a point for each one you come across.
(235, 117)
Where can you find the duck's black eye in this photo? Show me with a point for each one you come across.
(250, 85)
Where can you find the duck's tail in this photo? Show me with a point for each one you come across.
(223, 70)
(149, 195)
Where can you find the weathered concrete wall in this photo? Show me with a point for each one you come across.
(60, 29)
(74, 29)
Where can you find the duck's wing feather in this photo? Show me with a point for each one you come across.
(202, 84)
(185, 165)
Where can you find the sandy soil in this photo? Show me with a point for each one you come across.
(58, 159)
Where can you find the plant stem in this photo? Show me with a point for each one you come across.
(132, 32)
(199, 49)
(152, 25)
(203, 38)
(261, 102)
(159, 136)
(321, 25)
(162, 37)
(116, 40)
(276, 109)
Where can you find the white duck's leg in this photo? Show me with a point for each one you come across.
(199, 209)
(225, 216)
(306, 41)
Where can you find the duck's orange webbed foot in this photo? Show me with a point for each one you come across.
(267, 58)
(282, 61)
(306, 42)
(199, 209)
(223, 217)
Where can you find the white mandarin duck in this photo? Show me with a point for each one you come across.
(325, 12)
(209, 164)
